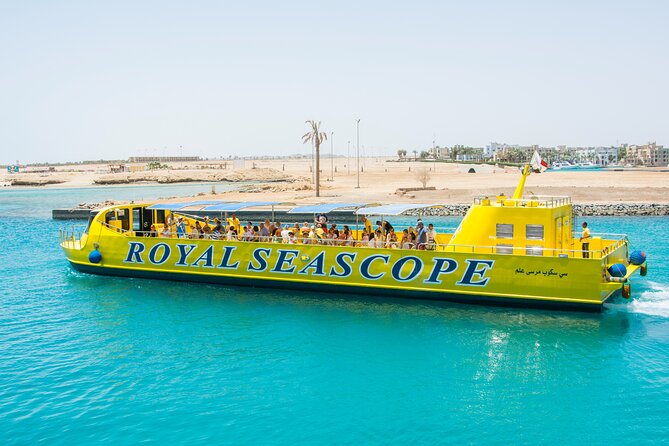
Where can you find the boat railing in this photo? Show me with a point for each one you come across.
(533, 201)
(72, 235)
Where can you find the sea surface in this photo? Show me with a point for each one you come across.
(99, 360)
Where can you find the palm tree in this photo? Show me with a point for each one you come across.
(316, 137)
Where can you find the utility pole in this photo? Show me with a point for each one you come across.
(331, 156)
(357, 143)
(348, 155)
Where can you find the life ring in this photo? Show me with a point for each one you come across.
(627, 291)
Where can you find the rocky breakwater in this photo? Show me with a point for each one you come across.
(621, 209)
(599, 209)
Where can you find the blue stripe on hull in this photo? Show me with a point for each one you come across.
(320, 287)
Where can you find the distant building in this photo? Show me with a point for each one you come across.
(163, 159)
(650, 154)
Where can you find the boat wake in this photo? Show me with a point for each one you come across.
(653, 302)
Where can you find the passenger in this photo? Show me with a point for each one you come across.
(364, 241)
(392, 240)
(232, 234)
(264, 232)
(384, 226)
(304, 233)
(256, 234)
(248, 233)
(322, 219)
(585, 240)
(409, 242)
(181, 228)
(334, 235)
(405, 236)
(431, 238)
(218, 227)
(153, 232)
(347, 236)
(165, 232)
(206, 229)
(367, 223)
(378, 239)
(422, 235)
(291, 238)
(285, 232)
(312, 239)
(320, 234)
(196, 232)
(234, 222)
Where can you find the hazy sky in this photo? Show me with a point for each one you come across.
(93, 79)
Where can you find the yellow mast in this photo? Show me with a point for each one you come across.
(518, 194)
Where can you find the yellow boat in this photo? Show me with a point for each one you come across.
(517, 251)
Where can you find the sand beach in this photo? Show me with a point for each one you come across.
(381, 180)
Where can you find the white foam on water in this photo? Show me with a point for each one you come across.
(654, 302)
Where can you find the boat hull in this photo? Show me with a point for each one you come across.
(480, 278)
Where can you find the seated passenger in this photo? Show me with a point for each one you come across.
(247, 236)
(409, 242)
(291, 238)
(431, 237)
(197, 230)
(152, 232)
(284, 235)
(165, 233)
(378, 239)
(264, 232)
(391, 239)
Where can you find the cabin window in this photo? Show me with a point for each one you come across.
(534, 232)
(534, 251)
(109, 216)
(160, 216)
(123, 216)
(136, 220)
(504, 249)
(504, 230)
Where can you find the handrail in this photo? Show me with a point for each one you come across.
(75, 233)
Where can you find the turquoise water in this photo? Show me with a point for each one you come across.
(98, 360)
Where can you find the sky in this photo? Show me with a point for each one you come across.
(108, 80)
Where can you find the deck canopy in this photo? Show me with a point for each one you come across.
(395, 209)
(183, 205)
(325, 208)
(237, 207)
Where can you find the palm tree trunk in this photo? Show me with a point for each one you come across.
(318, 167)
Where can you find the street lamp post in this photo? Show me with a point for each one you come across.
(357, 144)
(331, 156)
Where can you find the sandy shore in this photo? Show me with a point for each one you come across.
(380, 181)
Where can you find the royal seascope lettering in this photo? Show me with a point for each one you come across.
(282, 261)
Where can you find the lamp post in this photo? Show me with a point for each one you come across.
(348, 155)
(357, 143)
